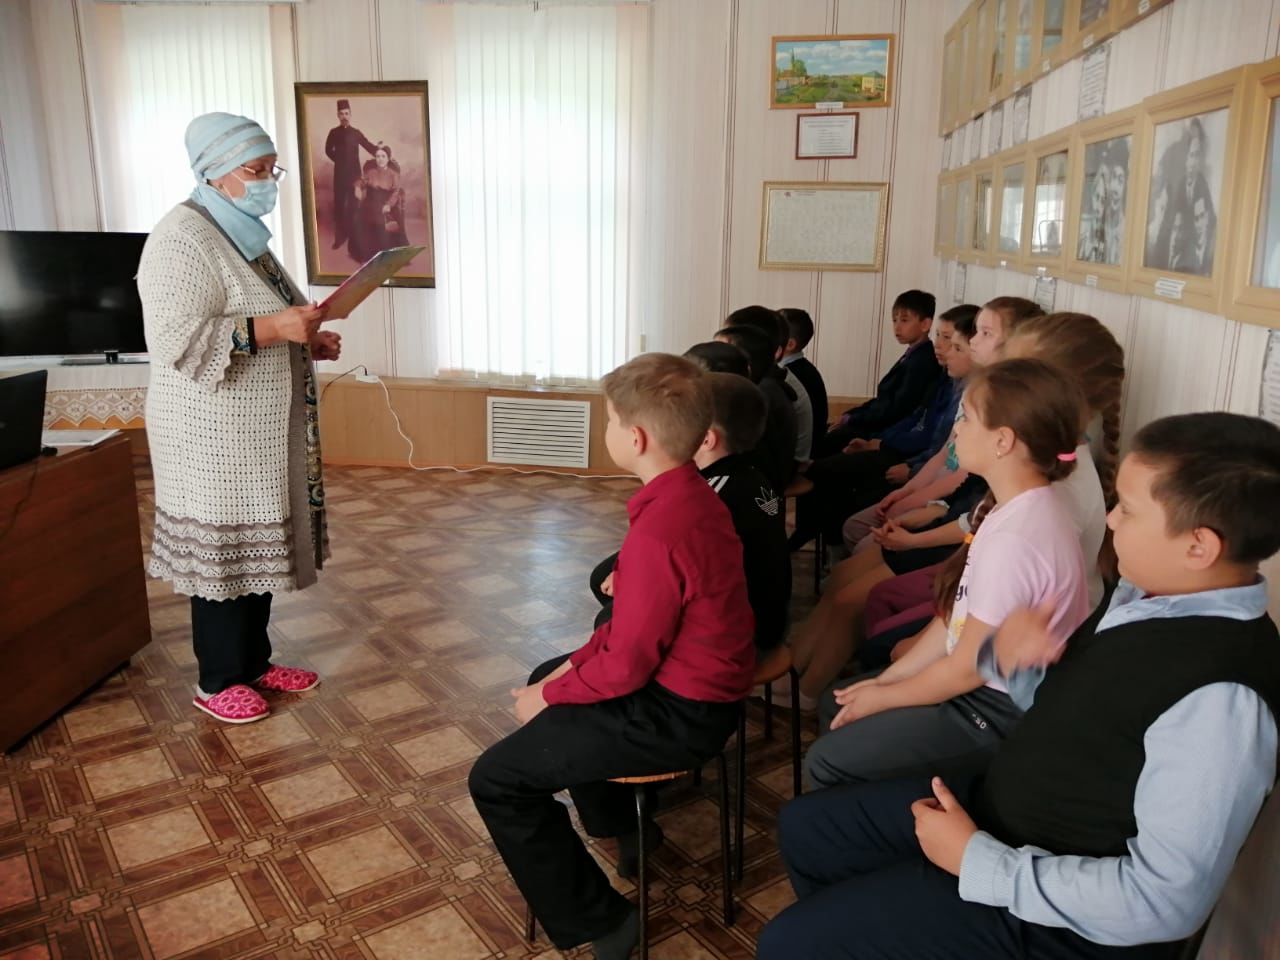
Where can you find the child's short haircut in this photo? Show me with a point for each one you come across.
(760, 351)
(716, 357)
(1221, 471)
(737, 411)
(964, 318)
(769, 322)
(667, 396)
(918, 302)
(799, 325)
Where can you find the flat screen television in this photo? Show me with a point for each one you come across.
(65, 294)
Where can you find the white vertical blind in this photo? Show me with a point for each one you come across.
(170, 65)
(538, 119)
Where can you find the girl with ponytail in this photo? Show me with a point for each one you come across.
(1019, 428)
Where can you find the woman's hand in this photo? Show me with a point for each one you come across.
(326, 345)
(294, 325)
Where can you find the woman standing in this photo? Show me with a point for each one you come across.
(231, 416)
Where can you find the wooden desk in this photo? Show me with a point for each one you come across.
(73, 598)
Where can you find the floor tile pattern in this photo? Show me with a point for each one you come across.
(340, 827)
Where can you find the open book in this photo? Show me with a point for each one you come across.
(376, 271)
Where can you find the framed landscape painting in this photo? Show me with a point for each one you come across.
(853, 70)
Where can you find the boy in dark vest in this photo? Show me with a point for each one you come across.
(1108, 822)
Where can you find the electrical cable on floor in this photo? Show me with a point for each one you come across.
(488, 467)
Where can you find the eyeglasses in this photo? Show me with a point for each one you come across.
(276, 172)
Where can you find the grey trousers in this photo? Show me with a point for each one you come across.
(909, 741)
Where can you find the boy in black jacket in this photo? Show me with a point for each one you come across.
(799, 335)
(906, 384)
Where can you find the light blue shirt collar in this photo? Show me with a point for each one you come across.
(790, 358)
(1128, 604)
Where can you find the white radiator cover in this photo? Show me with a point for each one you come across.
(545, 433)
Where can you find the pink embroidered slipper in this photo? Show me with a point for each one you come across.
(287, 680)
(238, 704)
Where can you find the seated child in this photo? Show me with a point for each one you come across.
(907, 382)
(867, 468)
(736, 424)
(775, 453)
(1019, 429)
(1108, 822)
(772, 325)
(716, 357)
(799, 334)
(656, 689)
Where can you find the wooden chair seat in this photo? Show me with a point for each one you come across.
(652, 778)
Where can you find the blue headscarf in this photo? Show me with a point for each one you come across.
(218, 143)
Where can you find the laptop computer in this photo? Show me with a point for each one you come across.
(21, 416)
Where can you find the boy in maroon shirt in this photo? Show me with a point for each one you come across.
(655, 689)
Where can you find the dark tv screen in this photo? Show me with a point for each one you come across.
(69, 294)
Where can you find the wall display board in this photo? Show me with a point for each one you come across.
(823, 226)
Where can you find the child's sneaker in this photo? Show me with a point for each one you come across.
(238, 704)
(287, 680)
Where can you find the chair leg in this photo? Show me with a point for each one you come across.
(726, 852)
(642, 878)
(530, 925)
(768, 711)
(795, 733)
(740, 845)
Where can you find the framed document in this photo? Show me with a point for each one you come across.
(825, 136)
(823, 226)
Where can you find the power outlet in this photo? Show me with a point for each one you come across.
(367, 378)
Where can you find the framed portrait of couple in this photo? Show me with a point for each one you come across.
(365, 151)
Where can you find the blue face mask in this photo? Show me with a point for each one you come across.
(259, 197)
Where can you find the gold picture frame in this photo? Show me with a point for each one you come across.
(978, 246)
(793, 84)
(1044, 220)
(1025, 20)
(966, 108)
(949, 99)
(366, 177)
(960, 223)
(1188, 149)
(1253, 294)
(1129, 12)
(796, 224)
(1101, 208)
(1089, 23)
(944, 218)
(1007, 230)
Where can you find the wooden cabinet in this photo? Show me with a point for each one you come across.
(73, 599)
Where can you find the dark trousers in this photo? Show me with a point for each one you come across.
(867, 891)
(230, 640)
(578, 747)
(843, 484)
(345, 206)
(598, 576)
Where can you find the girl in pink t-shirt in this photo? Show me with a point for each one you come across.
(1018, 430)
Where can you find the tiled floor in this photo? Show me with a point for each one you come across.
(340, 827)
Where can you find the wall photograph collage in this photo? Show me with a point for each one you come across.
(1177, 198)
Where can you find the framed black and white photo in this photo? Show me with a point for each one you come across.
(1100, 207)
(1010, 197)
(1047, 205)
(1189, 145)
